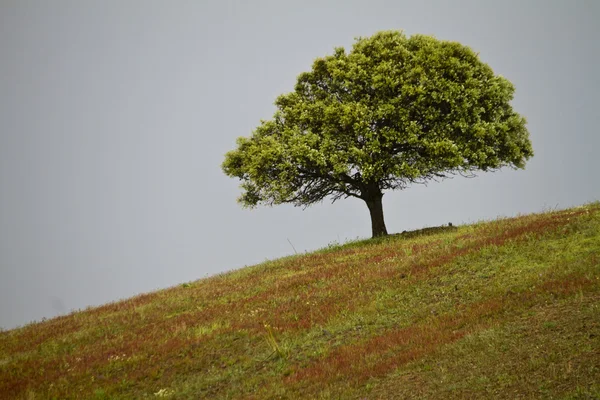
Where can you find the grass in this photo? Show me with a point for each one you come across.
(502, 309)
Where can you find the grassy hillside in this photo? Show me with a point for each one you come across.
(502, 309)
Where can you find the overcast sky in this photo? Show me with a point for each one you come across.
(115, 116)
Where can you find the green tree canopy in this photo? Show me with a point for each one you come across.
(393, 111)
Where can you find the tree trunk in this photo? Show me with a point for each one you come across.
(376, 209)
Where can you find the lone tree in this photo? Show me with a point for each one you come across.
(394, 111)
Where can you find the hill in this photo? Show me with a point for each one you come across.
(502, 309)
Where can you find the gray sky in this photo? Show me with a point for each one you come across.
(115, 116)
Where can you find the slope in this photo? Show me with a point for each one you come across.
(502, 309)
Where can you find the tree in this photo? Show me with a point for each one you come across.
(392, 112)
